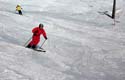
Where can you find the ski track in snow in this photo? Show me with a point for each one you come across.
(82, 43)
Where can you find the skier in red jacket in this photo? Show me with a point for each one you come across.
(37, 31)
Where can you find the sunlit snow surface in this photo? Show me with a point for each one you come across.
(83, 43)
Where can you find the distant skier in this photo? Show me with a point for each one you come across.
(18, 8)
(37, 31)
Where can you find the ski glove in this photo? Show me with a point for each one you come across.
(45, 37)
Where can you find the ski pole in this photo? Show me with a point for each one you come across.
(42, 44)
(27, 41)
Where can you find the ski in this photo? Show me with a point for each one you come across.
(38, 50)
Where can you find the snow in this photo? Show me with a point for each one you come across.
(83, 44)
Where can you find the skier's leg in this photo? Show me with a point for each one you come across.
(20, 12)
(35, 43)
(34, 46)
(31, 43)
(28, 46)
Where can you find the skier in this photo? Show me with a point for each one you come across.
(37, 31)
(18, 8)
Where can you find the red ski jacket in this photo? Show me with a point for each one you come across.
(37, 32)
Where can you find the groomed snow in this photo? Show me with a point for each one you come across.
(83, 44)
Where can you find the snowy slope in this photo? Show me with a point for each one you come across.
(82, 43)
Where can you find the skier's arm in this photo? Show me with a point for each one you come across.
(16, 9)
(44, 34)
